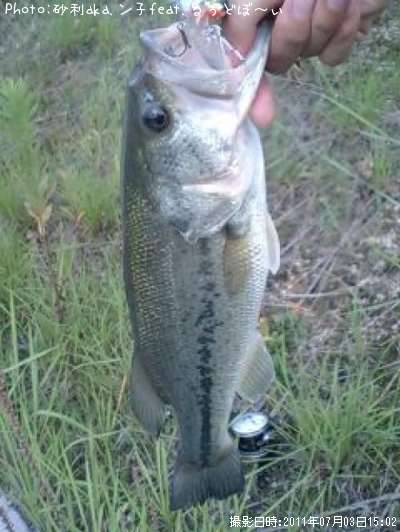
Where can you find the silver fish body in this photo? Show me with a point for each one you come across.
(198, 245)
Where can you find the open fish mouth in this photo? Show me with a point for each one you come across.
(206, 79)
(200, 59)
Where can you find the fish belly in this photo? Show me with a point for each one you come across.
(194, 309)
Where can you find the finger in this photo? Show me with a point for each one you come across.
(290, 34)
(339, 47)
(327, 19)
(372, 7)
(370, 11)
(241, 30)
(263, 108)
(365, 24)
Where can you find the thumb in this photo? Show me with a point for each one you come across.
(239, 29)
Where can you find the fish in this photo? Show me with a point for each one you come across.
(198, 244)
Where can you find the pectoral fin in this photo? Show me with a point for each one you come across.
(273, 246)
(146, 404)
(237, 256)
(258, 372)
(237, 264)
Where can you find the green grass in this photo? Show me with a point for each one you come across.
(14, 260)
(69, 33)
(107, 35)
(331, 418)
(26, 184)
(97, 205)
(18, 104)
(356, 98)
(71, 454)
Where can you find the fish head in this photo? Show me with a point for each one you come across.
(186, 107)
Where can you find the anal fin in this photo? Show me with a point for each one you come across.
(146, 404)
(258, 372)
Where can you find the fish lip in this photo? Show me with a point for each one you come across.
(224, 82)
(148, 40)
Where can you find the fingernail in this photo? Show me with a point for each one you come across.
(302, 8)
(337, 5)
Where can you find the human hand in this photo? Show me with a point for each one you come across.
(370, 10)
(304, 28)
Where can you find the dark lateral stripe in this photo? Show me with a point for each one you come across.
(207, 322)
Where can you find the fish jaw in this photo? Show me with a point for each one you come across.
(200, 170)
(205, 63)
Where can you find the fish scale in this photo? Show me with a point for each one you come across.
(198, 243)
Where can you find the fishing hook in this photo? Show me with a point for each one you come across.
(185, 40)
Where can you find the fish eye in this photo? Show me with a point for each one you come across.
(156, 118)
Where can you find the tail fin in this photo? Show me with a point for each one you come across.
(192, 485)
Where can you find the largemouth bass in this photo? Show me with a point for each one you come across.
(198, 244)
